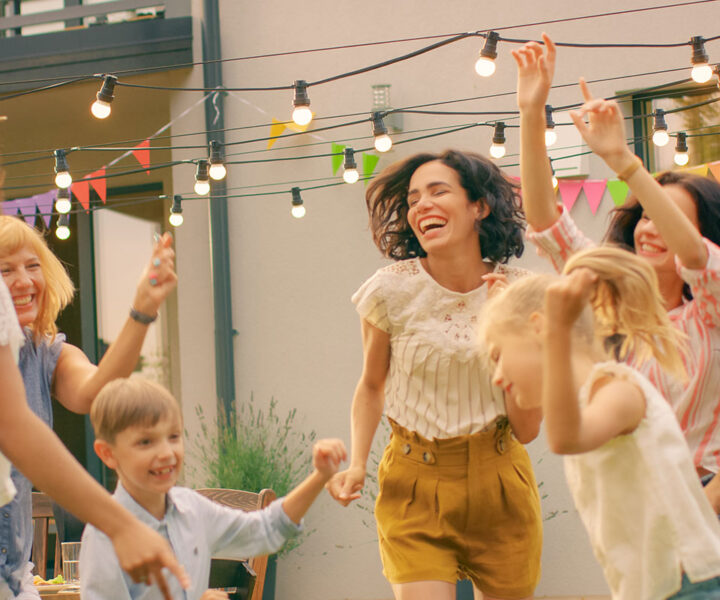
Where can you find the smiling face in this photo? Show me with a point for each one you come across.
(24, 278)
(439, 211)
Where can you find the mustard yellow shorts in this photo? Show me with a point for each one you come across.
(463, 507)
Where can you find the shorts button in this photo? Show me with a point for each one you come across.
(426, 457)
(406, 449)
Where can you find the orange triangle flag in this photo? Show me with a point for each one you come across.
(142, 153)
(100, 184)
(715, 169)
(81, 190)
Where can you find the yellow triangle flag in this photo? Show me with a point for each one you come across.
(276, 130)
(699, 170)
(298, 128)
(715, 169)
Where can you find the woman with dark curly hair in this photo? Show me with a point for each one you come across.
(457, 493)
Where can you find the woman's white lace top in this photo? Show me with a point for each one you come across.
(439, 381)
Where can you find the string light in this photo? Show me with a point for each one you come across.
(701, 70)
(383, 143)
(716, 70)
(217, 166)
(297, 210)
(350, 173)
(63, 227)
(176, 218)
(302, 115)
(101, 108)
(497, 150)
(550, 135)
(485, 65)
(63, 179)
(681, 150)
(62, 201)
(660, 135)
(202, 180)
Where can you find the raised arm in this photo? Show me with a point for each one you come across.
(604, 133)
(615, 407)
(77, 381)
(367, 409)
(535, 74)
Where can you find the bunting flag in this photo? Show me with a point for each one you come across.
(569, 191)
(81, 190)
(277, 128)
(370, 161)
(699, 170)
(45, 203)
(28, 209)
(714, 168)
(142, 153)
(99, 184)
(594, 190)
(338, 156)
(618, 191)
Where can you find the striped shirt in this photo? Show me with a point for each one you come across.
(696, 402)
(439, 380)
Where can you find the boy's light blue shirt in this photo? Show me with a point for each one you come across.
(197, 529)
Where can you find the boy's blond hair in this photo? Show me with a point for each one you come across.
(130, 402)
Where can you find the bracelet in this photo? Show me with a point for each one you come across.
(628, 172)
(140, 317)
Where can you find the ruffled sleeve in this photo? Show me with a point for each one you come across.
(10, 332)
(370, 302)
(560, 241)
(705, 285)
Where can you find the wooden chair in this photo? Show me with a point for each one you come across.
(256, 567)
(42, 514)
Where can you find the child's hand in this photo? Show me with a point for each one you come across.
(327, 456)
(566, 299)
(158, 278)
(535, 73)
(496, 282)
(345, 486)
(214, 595)
(604, 132)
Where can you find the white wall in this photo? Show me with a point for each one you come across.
(298, 334)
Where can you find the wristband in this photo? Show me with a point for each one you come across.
(140, 317)
(628, 172)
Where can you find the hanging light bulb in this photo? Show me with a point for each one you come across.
(63, 227)
(62, 201)
(101, 107)
(383, 143)
(552, 172)
(217, 167)
(202, 181)
(302, 115)
(298, 210)
(176, 218)
(497, 150)
(660, 135)
(701, 70)
(62, 177)
(350, 173)
(681, 149)
(550, 135)
(716, 71)
(485, 65)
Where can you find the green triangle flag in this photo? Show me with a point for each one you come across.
(338, 156)
(370, 161)
(618, 190)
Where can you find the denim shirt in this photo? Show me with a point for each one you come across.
(197, 529)
(37, 365)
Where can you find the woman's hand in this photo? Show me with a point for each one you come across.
(535, 73)
(158, 278)
(496, 282)
(327, 456)
(567, 298)
(214, 595)
(345, 486)
(604, 131)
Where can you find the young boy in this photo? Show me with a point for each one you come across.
(139, 431)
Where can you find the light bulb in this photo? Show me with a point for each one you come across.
(298, 211)
(176, 219)
(302, 115)
(701, 73)
(202, 187)
(554, 181)
(218, 171)
(62, 232)
(550, 137)
(681, 158)
(497, 150)
(485, 66)
(100, 109)
(383, 143)
(351, 175)
(63, 205)
(63, 179)
(660, 137)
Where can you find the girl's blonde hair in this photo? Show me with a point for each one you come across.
(626, 306)
(15, 234)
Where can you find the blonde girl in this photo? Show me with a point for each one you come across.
(627, 463)
(39, 289)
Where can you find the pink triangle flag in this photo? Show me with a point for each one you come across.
(28, 208)
(715, 169)
(142, 153)
(594, 190)
(100, 184)
(81, 190)
(10, 207)
(44, 203)
(569, 191)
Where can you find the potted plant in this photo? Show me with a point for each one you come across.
(256, 448)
